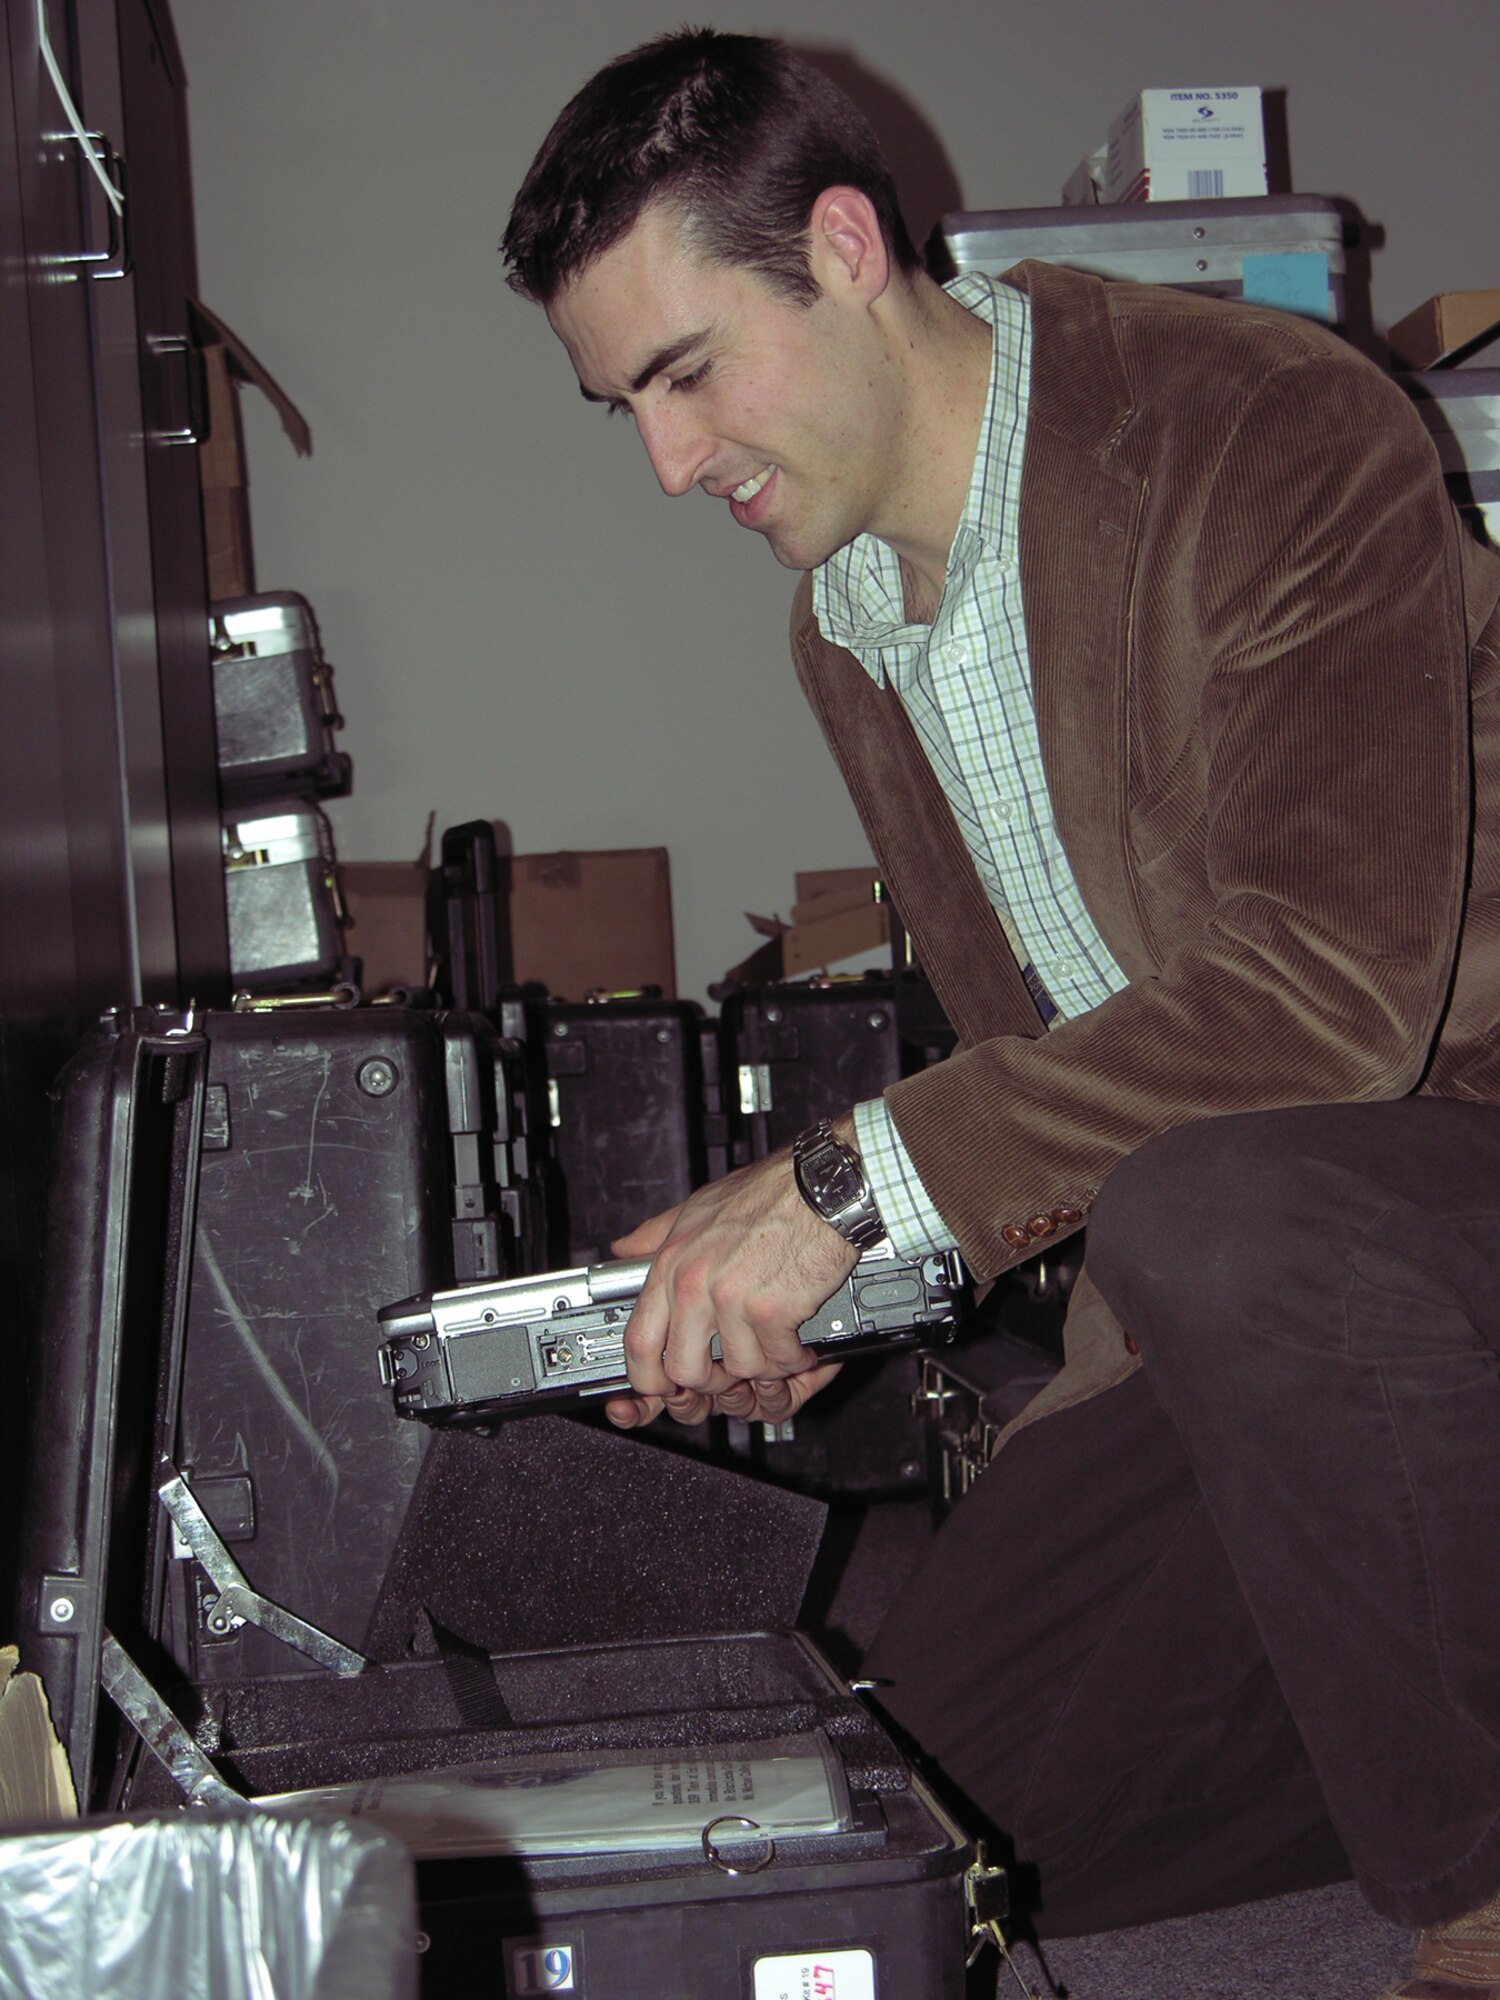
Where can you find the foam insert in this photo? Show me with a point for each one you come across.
(555, 1533)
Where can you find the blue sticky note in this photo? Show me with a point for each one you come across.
(1295, 280)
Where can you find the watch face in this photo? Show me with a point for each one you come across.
(832, 1180)
(839, 1182)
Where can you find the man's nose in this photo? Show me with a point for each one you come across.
(677, 446)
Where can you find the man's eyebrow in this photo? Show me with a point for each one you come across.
(664, 358)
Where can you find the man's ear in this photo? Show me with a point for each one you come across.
(846, 247)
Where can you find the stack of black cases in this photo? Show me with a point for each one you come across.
(276, 716)
(217, 1482)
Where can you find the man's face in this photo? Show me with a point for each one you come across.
(775, 408)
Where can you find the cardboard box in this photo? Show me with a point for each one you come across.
(575, 922)
(837, 915)
(586, 922)
(386, 903)
(225, 480)
(821, 942)
(226, 504)
(1084, 187)
(821, 891)
(1187, 145)
(1447, 321)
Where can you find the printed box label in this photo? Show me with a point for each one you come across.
(816, 1975)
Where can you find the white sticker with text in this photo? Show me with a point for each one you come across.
(816, 1975)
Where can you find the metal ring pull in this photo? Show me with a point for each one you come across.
(711, 1852)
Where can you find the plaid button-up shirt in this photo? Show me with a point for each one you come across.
(965, 682)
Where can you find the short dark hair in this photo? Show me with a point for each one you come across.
(736, 132)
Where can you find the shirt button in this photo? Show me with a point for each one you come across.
(1063, 968)
(955, 655)
(1004, 811)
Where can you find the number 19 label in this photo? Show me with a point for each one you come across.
(533, 1967)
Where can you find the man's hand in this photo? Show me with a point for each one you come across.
(745, 1258)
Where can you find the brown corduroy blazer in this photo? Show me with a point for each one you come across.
(1265, 654)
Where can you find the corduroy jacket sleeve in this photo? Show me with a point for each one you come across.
(1263, 789)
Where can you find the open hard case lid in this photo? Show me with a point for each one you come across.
(129, 1124)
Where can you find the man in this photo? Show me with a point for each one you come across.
(1164, 679)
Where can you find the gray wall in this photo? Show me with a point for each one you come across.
(523, 627)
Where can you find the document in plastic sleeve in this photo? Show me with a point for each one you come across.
(601, 1802)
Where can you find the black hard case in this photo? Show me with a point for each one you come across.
(116, 1364)
(342, 1153)
(236, 1203)
(629, 1127)
(670, 1926)
(792, 1054)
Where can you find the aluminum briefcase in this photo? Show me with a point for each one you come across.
(1461, 408)
(281, 894)
(1280, 250)
(274, 702)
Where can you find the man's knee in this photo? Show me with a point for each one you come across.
(1199, 1221)
(1237, 1216)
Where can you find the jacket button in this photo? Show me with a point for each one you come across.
(1041, 1225)
(1065, 1218)
(1130, 1344)
(1016, 1234)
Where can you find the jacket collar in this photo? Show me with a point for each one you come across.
(1078, 384)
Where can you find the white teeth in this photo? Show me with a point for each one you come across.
(752, 486)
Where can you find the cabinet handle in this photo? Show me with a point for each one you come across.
(114, 260)
(195, 430)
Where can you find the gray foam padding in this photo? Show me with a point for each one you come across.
(553, 1533)
(280, 1732)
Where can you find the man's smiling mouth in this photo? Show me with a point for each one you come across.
(752, 486)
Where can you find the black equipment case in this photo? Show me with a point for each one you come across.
(628, 1113)
(214, 1606)
(301, 1164)
(792, 1053)
(796, 1052)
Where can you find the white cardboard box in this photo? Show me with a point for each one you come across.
(1187, 145)
(1084, 187)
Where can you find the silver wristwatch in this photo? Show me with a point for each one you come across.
(831, 1180)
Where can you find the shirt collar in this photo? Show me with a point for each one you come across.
(858, 597)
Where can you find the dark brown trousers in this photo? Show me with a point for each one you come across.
(1233, 1627)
